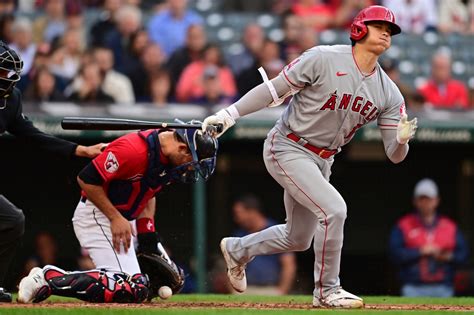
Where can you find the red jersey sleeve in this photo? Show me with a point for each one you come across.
(117, 160)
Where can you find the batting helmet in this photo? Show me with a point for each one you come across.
(10, 69)
(369, 14)
(203, 148)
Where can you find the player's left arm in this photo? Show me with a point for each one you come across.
(146, 231)
(396, 136)
(153, 258)
(394, 125)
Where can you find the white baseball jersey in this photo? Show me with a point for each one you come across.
(335, 98)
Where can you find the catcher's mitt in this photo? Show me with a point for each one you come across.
(161, 273)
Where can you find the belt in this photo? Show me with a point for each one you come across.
(323, 153)
(83, 199)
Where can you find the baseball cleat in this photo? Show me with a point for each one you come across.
(339, 299)
(31, 285)
(235, 271)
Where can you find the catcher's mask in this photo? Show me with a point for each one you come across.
(203, 148)
(10, 69)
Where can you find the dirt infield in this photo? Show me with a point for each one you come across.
(228, 305)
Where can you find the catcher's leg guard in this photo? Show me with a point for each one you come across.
(97, 286)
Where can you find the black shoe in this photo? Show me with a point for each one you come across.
(5, 297)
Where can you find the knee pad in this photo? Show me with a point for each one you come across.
(96, 286)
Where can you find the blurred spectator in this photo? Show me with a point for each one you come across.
(390, 66)
(43, 88)
(7, 6)
(160, 88)
(106, 23)
(453, 16)
(128, 19)
(346, 10)
(213, 92)
(314, 13)
(280, 7)
(52, 24)
(426, 246)
(87, 86)
(190, 84)
(66, 59)
(415, 102)
(414, 16)
(196, 41)
(168, 27)
(270, 274)
(75, 18)
(307, 39)
(470, 10)
(136, 45)
(46, 252)
(247, 5)
(41, 58)
(25, 47)
(289, 46)
(442, 91)
(252, 40)
(115, 84)
(151, 61)
(269, 59)
(6, 22)
(26, 6)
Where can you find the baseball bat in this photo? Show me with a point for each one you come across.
(90, 123)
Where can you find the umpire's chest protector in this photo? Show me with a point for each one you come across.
(131, 196)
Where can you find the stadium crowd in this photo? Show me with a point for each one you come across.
(159, 52)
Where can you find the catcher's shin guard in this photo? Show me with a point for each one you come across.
(96, 286)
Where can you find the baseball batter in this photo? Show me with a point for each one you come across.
(336, 90)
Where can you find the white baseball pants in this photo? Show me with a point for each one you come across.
(92, 229)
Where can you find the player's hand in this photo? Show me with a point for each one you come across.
(221, 118)
(121, 233)
(444, 256)
(406, 129)
(429, 250)
(91, 151)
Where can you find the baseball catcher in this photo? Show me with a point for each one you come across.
(118, 197)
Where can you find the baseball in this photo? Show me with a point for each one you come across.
(165, 292)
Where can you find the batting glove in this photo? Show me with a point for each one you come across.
(220, 119)
(406, 129)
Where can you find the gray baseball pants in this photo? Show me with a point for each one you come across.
(314, 210)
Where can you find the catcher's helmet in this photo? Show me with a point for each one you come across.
(203, 148)
(10, 69)
(369, 14)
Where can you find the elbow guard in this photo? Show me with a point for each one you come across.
(276, 100)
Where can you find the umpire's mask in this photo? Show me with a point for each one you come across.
(203, 148)
(10, 69)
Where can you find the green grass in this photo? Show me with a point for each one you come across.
(159, 307)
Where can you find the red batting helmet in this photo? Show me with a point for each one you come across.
(372, 13)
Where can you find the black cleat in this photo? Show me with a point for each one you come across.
(5, 297)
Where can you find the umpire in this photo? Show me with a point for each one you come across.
(12, 120)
